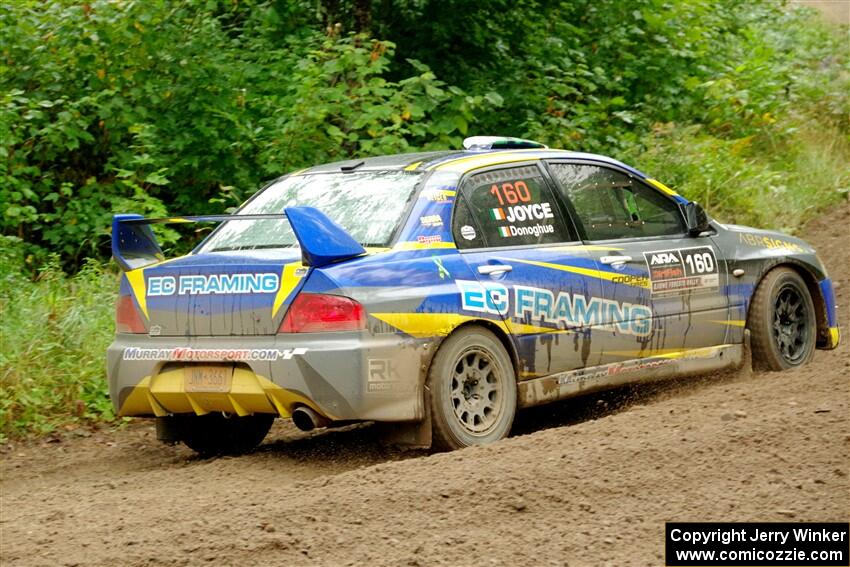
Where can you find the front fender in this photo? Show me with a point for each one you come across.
(751, 253)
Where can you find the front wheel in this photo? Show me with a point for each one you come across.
(220, 434)
(782, 321)
(473, 390)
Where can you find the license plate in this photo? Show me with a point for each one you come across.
(208, 378)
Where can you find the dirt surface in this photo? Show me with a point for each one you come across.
(586, 482)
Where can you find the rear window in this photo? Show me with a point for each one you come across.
(369, 205)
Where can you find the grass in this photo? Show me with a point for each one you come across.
(53, 337)
(759, 180)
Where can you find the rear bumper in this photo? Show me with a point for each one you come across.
(343, 376)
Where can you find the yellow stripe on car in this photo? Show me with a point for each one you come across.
(668, 353)
(657, 184)
(290, 276)
(424, 245)
(484, 160)
(635, 281)
(424, 325)
(581, 248)
(136, 279)
(731, 323)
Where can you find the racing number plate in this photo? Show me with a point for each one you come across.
(683, 270)
(208, 378)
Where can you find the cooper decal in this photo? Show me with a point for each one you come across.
(682, 270)
(631, 279)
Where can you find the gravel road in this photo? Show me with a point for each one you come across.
(585, 482)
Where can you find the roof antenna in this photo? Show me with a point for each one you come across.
(351, 167)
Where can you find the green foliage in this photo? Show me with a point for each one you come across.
(150, 106)
(740, 182)
(53, 338)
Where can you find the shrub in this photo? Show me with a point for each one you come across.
(53, 338)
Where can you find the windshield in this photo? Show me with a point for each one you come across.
(369, 205)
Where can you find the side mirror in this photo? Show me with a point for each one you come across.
(695, 218)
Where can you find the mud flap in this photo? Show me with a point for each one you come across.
(167, 430)
(409, 435)
(745, 367)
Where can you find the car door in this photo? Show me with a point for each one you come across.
(646, 258)
(530, 268)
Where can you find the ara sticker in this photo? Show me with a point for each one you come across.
(682, 270)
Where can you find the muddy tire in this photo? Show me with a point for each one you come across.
(472, 390)
(782, 322)
(218, 434)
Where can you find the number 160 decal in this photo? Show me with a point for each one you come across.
(511, 193)
(683, 270)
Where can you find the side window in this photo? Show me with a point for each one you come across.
(466, 231)
(610, 204)
(509, 207)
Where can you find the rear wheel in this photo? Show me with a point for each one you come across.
(782, 321)
(220, 434)
(473, 390)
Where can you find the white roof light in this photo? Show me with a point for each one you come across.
(500, 143)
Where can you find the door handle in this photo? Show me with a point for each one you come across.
(615, 259)
(491, 269)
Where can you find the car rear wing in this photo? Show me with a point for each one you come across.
(322, 241)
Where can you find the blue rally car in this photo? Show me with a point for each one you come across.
(441, 291)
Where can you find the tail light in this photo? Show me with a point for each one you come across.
(317, 312)
(127, 318)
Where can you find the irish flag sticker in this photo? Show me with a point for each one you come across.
(497, 214)
(503, 230)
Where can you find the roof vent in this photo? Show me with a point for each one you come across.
(500, 143)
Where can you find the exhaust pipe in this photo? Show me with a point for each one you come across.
(306, 419)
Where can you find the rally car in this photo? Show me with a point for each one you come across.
(439, 292)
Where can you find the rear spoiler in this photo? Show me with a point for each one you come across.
(322, 241)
